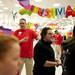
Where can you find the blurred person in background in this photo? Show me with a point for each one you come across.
(57, 51)
(9, 55)
(58, 37)
(69, 55)
(26, 37)
(58, 43)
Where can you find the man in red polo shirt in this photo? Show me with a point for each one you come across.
(58, 38)
(26, 37)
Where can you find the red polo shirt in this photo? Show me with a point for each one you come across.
(26, 47)
(58, 39)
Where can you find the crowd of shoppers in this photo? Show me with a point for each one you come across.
(17, 50)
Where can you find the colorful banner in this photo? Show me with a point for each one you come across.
(35, 10)
(24, 2)
(49, 12)
(74, 8)
(23, 11)
(70, 11)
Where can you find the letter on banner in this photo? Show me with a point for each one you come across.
(50, 13)
(60, 12)
(36, 9)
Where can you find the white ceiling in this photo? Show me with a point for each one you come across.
(7, 5)
(6, 14)
(10, 4)
(50, 3)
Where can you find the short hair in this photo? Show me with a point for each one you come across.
(44, 32)
(23, 19)
(6, 42)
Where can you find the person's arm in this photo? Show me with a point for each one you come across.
(35, 35)
(51, 63)
(58, 50)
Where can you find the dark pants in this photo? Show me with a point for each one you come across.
(68, 73)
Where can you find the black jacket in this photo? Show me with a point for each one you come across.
(42, 52)
(69, 63)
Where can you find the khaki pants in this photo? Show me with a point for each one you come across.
(28, 66)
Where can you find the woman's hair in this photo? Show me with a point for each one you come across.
(23, 19)
(5, 44)
(44, 32)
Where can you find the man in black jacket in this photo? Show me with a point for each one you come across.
(44, 57)
(68, 60)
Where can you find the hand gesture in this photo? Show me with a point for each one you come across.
(25, 39)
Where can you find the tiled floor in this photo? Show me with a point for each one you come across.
(58, 71)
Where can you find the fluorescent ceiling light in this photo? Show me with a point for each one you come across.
(5, 8)
(56, 5)
(0, 2)
(1, 11)
(37, 0)
(17, 5)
